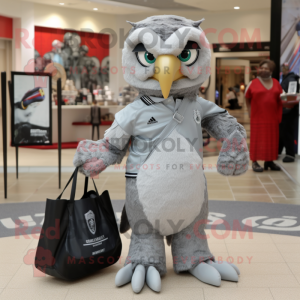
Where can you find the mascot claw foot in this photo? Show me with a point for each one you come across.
(226, 270)
(206, 273)
(138, 278)
(124, 275)
(153, 279)
(213, 272)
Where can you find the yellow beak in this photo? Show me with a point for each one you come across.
(167, 70)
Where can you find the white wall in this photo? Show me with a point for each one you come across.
(63, 17)
(10, 8)
(27, 23)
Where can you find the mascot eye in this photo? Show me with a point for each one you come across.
(188, 57)
(145, 58)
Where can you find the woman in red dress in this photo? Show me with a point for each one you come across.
(265, 111)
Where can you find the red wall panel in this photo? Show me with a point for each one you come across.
(96, 42)
(6, 27)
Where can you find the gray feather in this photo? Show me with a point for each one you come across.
(132, 24)
(164, 25)
(198, 23)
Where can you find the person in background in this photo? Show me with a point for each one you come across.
(289, 117)
(221, 93)
(232, 99)
(265, 112)
(95, 118)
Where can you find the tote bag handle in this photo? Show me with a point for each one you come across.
(73, 189)
(86, 184)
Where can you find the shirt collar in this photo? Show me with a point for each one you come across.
(160, 99)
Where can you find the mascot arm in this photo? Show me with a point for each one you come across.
(93, 157)
(234, 155)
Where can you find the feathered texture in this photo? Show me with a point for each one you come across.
(222, 126)
(176, 93)
(94, 157)
(147, 246)
(165, 201)
(164, 25)
(234, 155)
(189, 246)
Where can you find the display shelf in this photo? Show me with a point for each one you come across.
(87, 106)
(103, 123)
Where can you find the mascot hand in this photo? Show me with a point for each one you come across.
(89, 157)
(234, 155)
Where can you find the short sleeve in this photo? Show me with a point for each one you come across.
(127, 116)
(117, 136)
(208, 108)
(248, 93)
(279, 87)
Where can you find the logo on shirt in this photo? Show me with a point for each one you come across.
(151, 121)
(197, 116)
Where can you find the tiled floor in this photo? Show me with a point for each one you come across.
(268, 186)
(269, 265)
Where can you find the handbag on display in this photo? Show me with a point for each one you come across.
(78, 237)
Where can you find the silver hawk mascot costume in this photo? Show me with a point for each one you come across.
(167, 58)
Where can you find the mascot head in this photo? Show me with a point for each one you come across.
(166, 56)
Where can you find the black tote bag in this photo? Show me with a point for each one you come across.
(78, 237)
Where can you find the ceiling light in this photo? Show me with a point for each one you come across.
(61, 4)
(95, 8)
(236, 7)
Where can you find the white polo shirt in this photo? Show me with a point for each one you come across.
(146, 117)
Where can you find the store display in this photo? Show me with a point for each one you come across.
(71, 51)
(166, 189)
(31, 111)
(127, 95)
(57, 71)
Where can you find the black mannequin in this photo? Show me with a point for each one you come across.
(95, 118)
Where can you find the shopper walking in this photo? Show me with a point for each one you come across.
(232, 99)
(265, 111)
(289, 117)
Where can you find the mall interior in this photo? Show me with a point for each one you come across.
(75, 93)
